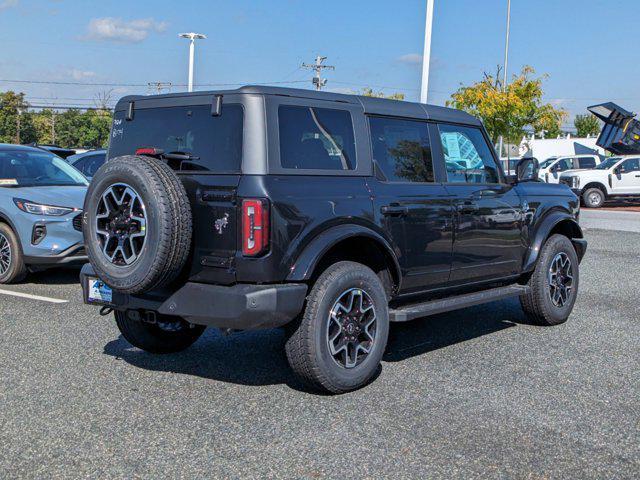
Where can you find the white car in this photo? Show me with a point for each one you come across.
(616, 177)
(552, 167)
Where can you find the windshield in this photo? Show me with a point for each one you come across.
(31, 168)
(608, 163)
(548, 162)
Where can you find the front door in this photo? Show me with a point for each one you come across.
(415, 211)
(488, 240)
(625, 179)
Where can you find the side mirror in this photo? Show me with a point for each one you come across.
(527, 170)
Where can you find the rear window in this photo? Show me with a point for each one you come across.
(316, 138)
(215, 141)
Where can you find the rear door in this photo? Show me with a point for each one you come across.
(210, 176)
(488, 230)
(414, 209)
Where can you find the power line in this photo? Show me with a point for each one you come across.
(91, 84)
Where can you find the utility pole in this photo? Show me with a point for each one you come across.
(506, 62)
(53, 126)
(426, 56)
(159, 86)
(317, 67)
(192, 45)
(19, 110)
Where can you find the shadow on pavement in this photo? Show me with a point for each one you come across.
(257, 358)
(55, 276)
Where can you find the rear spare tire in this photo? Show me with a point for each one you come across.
(137, 224)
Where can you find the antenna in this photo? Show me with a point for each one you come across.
(317, 67)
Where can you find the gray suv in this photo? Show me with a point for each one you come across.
(41, 199)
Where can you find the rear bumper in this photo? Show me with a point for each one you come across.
(241, 306)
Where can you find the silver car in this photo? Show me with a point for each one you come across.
(41, 199)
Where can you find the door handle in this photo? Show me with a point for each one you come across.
(394, 210)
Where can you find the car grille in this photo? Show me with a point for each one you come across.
(566, 181)
(77, 222)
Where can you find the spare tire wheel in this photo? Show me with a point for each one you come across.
(137, 224)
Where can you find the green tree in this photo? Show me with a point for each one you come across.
(508, 111)
(369, 92)
(16, 123)
(586, 125)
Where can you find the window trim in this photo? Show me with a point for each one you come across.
(406, 119)
(502, 180)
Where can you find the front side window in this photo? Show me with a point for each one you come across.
(563, 164)
(401, 149)
(316, 138)
(631, 165)
(467, 155)
(214, 143)
(27, 168)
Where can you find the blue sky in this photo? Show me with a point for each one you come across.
(581, 45)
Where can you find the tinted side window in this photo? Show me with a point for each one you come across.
(631, 165)
(92, 164)
(215, 141)
(564, 164)
(467, 155)
(316, 138)
(587, 162)
(401, 149)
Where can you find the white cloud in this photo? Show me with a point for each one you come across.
(4, 4)
(81, 74)
(411, 58)
(122, 31)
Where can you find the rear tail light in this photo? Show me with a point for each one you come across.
(255, 226)
(150, 151)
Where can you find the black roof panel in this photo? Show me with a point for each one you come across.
(371, 105)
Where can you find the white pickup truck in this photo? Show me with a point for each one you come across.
(615, 178)
(552, 168)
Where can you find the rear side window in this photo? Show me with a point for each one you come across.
(316, 138)
(215, 141)
(467, 155)
(587, 162)
(401, 149)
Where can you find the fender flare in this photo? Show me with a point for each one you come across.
(308, 259)
(5, 219)
(543, 231)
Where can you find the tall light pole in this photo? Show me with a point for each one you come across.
(192, 44)
(426, 56)
(506, 62)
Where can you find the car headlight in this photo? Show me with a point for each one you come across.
(39, 209)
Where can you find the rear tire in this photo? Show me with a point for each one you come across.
(552, 295)
(152, 338)
(338, 343)
(12, 267)
(593, 198)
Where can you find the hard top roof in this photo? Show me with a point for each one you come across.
(371, 105)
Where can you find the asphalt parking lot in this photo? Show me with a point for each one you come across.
(475, 393)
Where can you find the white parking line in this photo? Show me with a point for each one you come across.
(32, 297)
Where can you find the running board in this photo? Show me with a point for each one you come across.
(418, 310)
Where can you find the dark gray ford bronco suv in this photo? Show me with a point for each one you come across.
(330, 215)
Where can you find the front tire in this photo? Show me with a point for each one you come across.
(167, 335)
(593, 198)
(12, 267)
(553, 284)
(338, 343)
